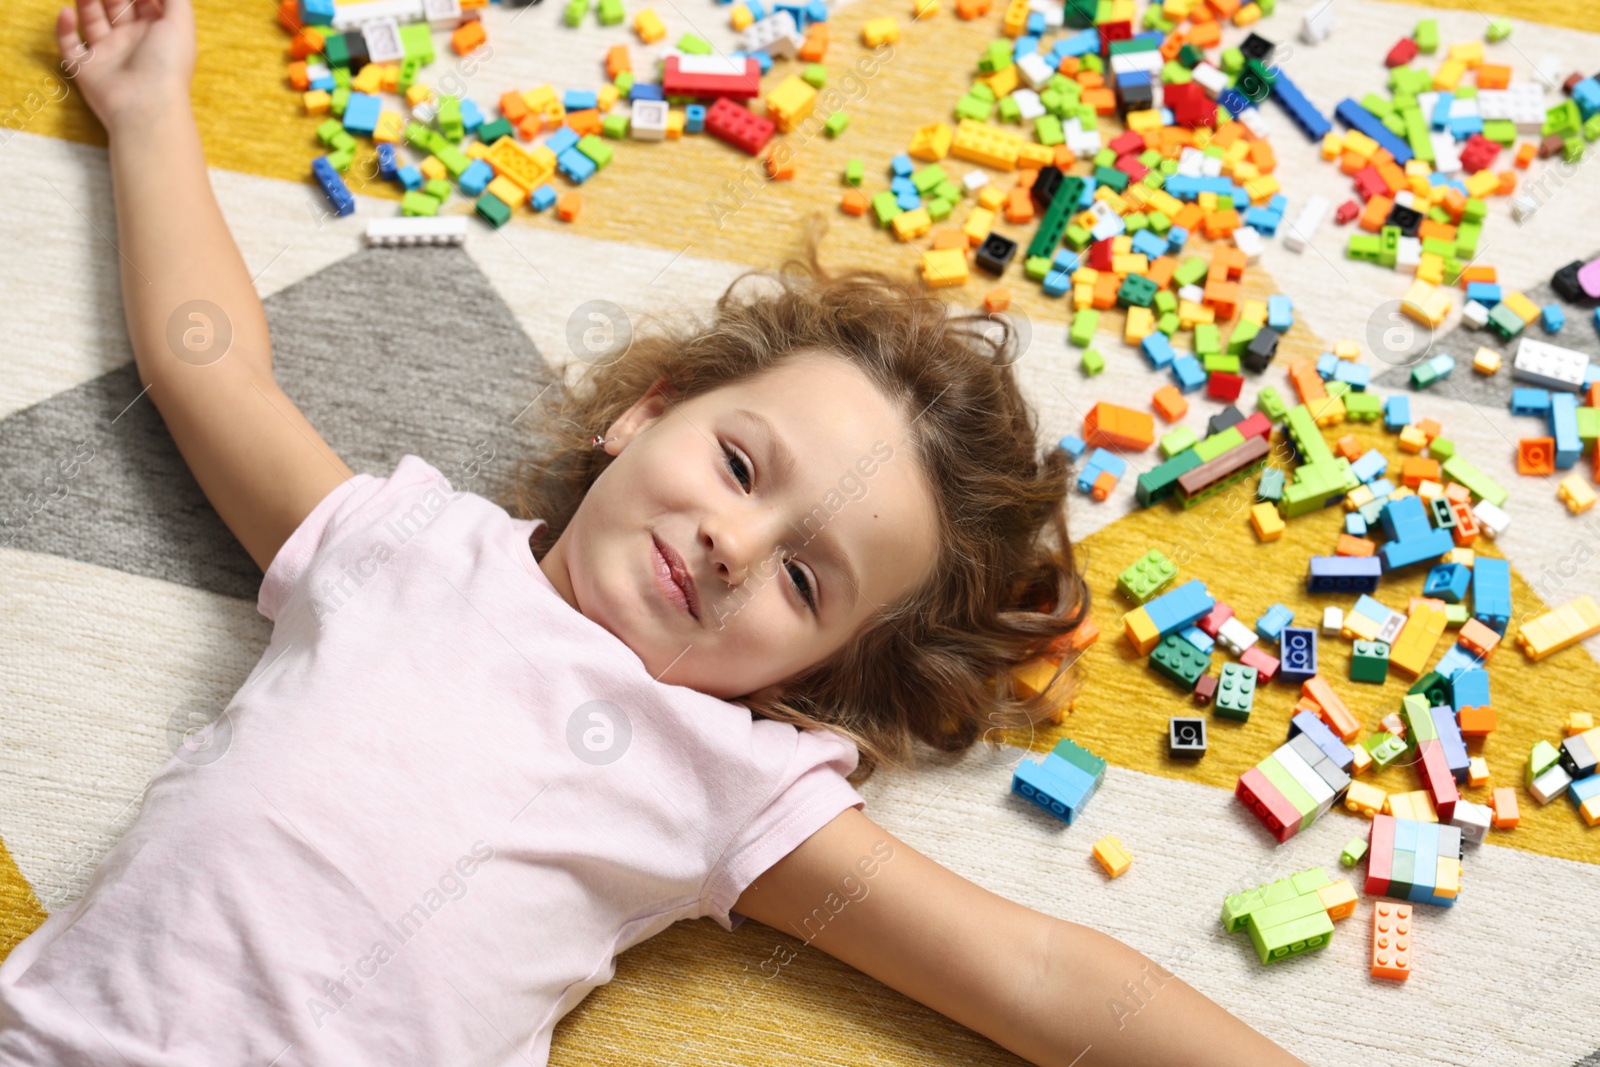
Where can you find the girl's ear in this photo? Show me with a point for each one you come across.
(646, 410)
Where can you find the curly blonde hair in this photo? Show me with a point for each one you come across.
(935, 667)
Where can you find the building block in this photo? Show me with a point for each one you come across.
(1235, 695)
(1391, 940)
(1559, 629)
(1298, 654)
(1344, 574)
(1110, 854)
(1180, 661)
(1111, 426)
(1186, 738)
(1152, 572)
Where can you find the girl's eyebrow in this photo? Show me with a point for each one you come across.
(783, 463)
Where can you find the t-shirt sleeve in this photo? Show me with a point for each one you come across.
(353, 506)
(813, 789)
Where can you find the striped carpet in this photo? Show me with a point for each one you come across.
(128, 614)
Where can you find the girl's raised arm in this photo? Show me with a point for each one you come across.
(1042, 987)
(198, 330)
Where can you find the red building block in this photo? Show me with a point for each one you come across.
(675, 82)
(735, 124)
(1224, 386)
(1380, 854)
(1347, 212)
(1436, 778)
(1280, 817)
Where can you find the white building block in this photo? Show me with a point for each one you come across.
(355, 16)
(1474, 316)
(1472, 820)
(383, 41)
(1029, 106)
(974, 180)
(1332, 620)
(1549, 366)
(1035, 71)
(423, 230)
(442, 14)
(1055, 16)
(1235, 636)
(1317, 22)
(775, 35)
(1247, 239)
(1491, 518)
(647, 120)
(1550, 784)
(1210, 78)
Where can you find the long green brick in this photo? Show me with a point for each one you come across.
(1218, 443)
(1481, 485)
(1154, 486)
(1307, 435)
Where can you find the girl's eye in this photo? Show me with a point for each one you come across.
(738, 466)
(803, 584)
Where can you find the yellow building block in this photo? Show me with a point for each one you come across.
(1327, 410)
(1141, 631)
(391, 124)
(508, 191)
(1413, 440)
(1447, 880)
(978, 225)
(1358, 627)
(1254, 311)
(1416, 805)
(931, 142)
(1414, 647)
(433, 167)
(880, 31)
(1525, 309)
(1339, 899)
(1359, 143)
(675, 122)
(316, 101)
(1267, 522)
(1015, 19)
(740, 18)
(1555, 630)
(1034, 676)
(1360, 761)
(1332, 146)
(790, 102)
(1468, 53)
(528, 169)
(978, 142)
(1112, 856)
(1032, 155)
(1449, 74)
(909, 225)
(992, 197)
(418, 94)
(1132, 263)
(606, 98)
(475, 150)
(1004, 82)
(1487, 361)
(1143, 121)
(942, 267)
(369, 79)
(1577, 722)
(1477, 771)
(1575, 493)
(1141, 323)
(648, 25)
(1428, 303)
(1482, 184)
(1463, 556)
(1363, 798)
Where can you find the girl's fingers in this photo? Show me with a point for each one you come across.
(67, 33)
(92, 18)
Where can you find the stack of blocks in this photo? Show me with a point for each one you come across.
(1063, 782)
(1296, 784)
(1290, 916)
(1412, 860)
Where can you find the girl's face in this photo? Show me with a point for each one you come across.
(742, 536)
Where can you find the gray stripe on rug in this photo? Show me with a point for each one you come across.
(388, 352)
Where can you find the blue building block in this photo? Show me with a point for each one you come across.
(645, 91)
(1485, 293)
(1357, 117)
(1425, 870)
(1297, 654)
(564, 138)
(1056, 283)
(1448, 582)
(1063, 782)
(1455, 660)
(409, 177)
(1356, 375)
(576, 166)
(1158, 350)
(1355, 525)
(816, 11)
(1396, 413)
(1372, 609)
(1280, 312)
(1440, 117)
(908, 199)
(316, 12)
(580, 99)
(1336, 750)
(1198, 638)
(1564, 428)
(1380, 491)
(1188, 373)
(1147, 243)
(333, 186)
(1405, 519)
(1491, 593)
(1397, 555)
(1528, 401)
(1369, 466)
(1343, 574)
(1263, 221)
(901, 166)
(1073, 446)
(388, 162)
(1066, 260)
(901, 186)
(1180, 607)
(1270, 625)
(543, 198)
(1100, 460)
(361, 113)
(1177, 237)
(1327, 363)
(1455, 749)
(694, 118)
(1586, 94)
(1469, 688)
(476, 178)
(1313, 123)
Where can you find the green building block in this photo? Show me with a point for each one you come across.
(1456, 615)
(1383, 747)
(1036, 267)
(1154, 486)
(624, 82)
(1270, 403)
(1292, 790)
(1136, 291)
(1291, 929)
(438, 188)
(1222, 361)
(495, 210)
(1481, 485)
(1315, 484)
(1363, 407)
(696, 45)
(1179, 660)
(1427, 36)
(1207, 339)
(1010, 110)
(614, 126)
(939, 209)
(836, 124)
(1147, 577)
(595, 149)
(417, 204)
(1540, 759)
(928, 178)
(1084, 323)
(1354, 849)
(1190, 271)
(885, 206)
(1093, 362)
(1498, 30)
(490, 132)
(1442, 448)
(1175, 441)
(449, 118)
(610, 13)
(1270, 489)
(854, 172)
(1218, 443)
(416, 40)
(1236, 692)
(1370, 662)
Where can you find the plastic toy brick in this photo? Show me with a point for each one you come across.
(1269, 526)
(1186, 738)
(1556, 630)
(1111, 426)
(1110, 854)
(1364, 799)
(1370, 662)
(686, 75)
(735, 124)
(1579, 753)
(1235, 693)
(1343, 574)
(1180, 661)
(1147, 576)
(1330, 708)
(1298, 654)
(1391, 940)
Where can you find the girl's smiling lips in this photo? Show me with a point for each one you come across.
(674, 577)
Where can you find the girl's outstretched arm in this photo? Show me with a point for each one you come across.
(198, 330)
(1042, 987)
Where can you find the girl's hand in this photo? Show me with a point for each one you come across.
(135, 60)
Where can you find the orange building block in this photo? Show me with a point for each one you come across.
(816, 46)
(1391, 940)
(469, 36)
(1348, 447)
(1478, 639)
(854, 202)
(1333, 711)
(1110, 426)
(1416, 470)
(1227, 264)
(1476, 722)
(1506, 815)
(617, 61)
(1536, 455)
(1223, 298)
(1525, 154)
(1019, 206)
(1103, 485)
(568, 206)
(1375, 214)
(998, 299)
(1351, 545)
(1170, 403)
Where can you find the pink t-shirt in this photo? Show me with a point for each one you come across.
(445, 801)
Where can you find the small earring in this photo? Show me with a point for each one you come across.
(598, 441)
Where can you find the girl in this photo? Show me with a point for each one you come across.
(483, 754)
